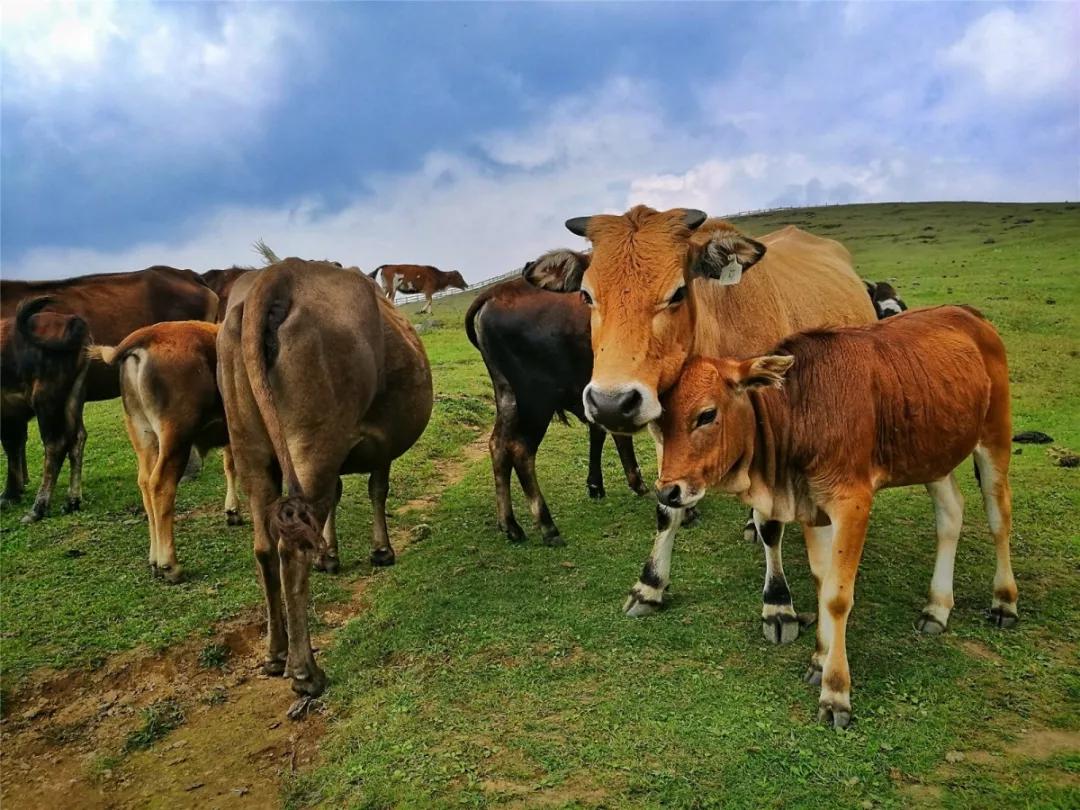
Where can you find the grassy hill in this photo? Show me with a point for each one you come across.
(481, 674)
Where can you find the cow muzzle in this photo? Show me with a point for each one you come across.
(678, 494)
(624, 409)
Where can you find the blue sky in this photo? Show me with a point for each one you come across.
(464, 134)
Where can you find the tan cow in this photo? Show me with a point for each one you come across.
(416, 278)
(668, 286)
(169, 389)
(320, 377)
(811, 431)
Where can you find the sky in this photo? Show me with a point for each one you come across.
(463, 135)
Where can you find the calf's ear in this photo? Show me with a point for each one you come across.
(727, 256)
(559, 270)
(763, 372)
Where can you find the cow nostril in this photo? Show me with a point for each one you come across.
(670, 495)
(590, 398)
(630, 402)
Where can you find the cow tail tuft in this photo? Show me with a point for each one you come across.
(293, 524)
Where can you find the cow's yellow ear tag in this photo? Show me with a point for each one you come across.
(730, 273)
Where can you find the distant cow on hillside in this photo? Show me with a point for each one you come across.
(416, 278)
(535, 344)
(43, 366)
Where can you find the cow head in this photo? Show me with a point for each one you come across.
(708, 422)
(637, 280)
(454, 279)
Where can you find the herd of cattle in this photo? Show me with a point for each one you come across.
(762, 367)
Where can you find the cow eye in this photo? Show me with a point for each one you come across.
(586, 298)
(678, 297)
(706, 417)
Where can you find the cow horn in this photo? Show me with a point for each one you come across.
(693, 218)
(578, 225)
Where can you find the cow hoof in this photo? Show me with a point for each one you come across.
(780, 628)
(691, 517)
(813, 674)
(513, 532)
(554, 540)
(636, 484)
(327, 564)
(833, 714)
(597, 491)
(233, 517)
(274, 667)
(749, 532)
(383, 557)
(72, 505)
(637, 605)
(929, 625)
(33, 516)
(312, 684)
(173, 574)
(9, 498)
(1002, 617)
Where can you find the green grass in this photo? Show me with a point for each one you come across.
(483, 673)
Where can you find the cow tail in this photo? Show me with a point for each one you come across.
(74, 336)
(291, 519)
(375, 272)
(470, 319)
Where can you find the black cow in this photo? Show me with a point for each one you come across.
(537, 350)
(43, 364)
(886, 300)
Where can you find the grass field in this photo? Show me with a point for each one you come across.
(477, 673)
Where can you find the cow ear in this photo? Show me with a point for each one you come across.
(727, 256)
(764, 372)
(559, 270)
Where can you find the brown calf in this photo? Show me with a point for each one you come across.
(813, 430)
(43, 365)
(416, 278)
(171, 405)
(320, 377)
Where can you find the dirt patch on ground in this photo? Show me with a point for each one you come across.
(67, 736)
(976, 649)
(449, 471)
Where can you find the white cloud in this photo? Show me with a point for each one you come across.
(1022, 55)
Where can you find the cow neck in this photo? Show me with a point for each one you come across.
(764, 470)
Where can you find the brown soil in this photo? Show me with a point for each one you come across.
(63, 736)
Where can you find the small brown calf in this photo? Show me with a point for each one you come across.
(171, 404)
(813, 430)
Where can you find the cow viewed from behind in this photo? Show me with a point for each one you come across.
(320, 377)
(812, 430)
(416, 278)
(535, 345)
(171, 405)
(43, 365)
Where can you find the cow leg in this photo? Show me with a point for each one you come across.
(992, 464)
(779, 622)
(56, 441)
(949, 515)
(427, 307)
(501, 464)
(647, 595)
(595, 481)
(262, 491)
(232, 502)
(849, 517)
(192, 466)
(75, 458)
(164, 478)
(328, 560)
(382, 553)
(819, 541)
(524, 456)
(13, 438)
(625, 446)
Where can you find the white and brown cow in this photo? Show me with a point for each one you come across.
(666, 286)
(168, 385)
(320, 377)
(811, 431)
(416, 278)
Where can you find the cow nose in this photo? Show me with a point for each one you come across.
(616, 410)
(671, 495)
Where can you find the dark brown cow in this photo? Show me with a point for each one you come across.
(43, 365)
(811, 431)
(536, 348)
(416, 278)
(320, 377)
(665, 286)
(221, 282)
(116, 304)
(171, 405)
